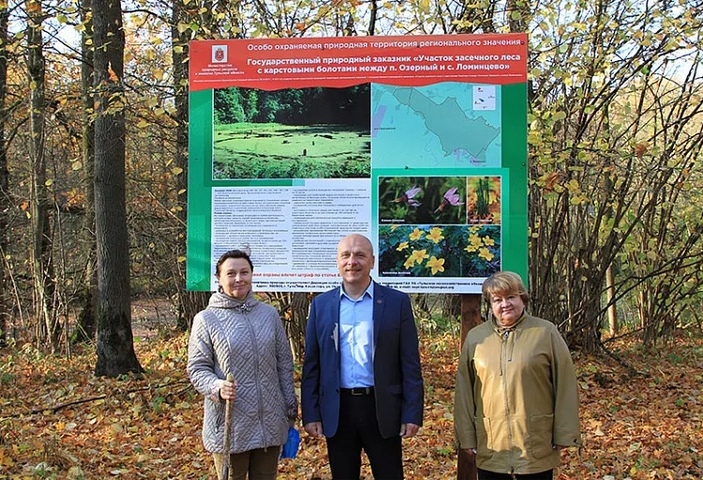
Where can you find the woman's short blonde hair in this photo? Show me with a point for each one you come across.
(504, 283)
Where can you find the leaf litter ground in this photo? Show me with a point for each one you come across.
(58, 421)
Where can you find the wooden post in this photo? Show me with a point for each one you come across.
(470, 314)
(470, 317)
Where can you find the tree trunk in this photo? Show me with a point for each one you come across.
(4, 182)
(300, 308)
(47, 326)
(115, 345)
(470, 314)
(470, 317)
(613, 326)
(189, 303)
(86, 327)
(451, 307)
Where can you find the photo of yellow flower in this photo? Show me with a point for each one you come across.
(439, 250)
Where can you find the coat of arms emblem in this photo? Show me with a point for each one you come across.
(219, 54)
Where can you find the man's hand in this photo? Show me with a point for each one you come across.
(314, 429)
(408, 430)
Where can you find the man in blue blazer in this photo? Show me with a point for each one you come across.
(362, 382)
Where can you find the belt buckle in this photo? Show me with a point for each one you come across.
(359, 391)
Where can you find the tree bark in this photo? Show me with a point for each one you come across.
(470, 317)
(115, 345)
(86, 323)
(613, 326)
(47, 326)
(4, 181)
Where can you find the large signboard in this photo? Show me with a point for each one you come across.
(420, 143)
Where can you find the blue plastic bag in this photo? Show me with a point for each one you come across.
(290, 449)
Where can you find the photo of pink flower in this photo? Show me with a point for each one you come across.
(422, 200)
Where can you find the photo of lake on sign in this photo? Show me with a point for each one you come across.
(293, 133)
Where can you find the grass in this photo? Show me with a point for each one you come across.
(281, 151)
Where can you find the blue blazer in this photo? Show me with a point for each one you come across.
(398, 383)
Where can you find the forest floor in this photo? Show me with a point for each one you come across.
(57, 420)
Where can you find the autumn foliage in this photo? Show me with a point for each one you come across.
(59, 421)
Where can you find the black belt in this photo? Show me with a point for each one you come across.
(357, 391)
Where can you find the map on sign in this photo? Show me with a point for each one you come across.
(446, 125)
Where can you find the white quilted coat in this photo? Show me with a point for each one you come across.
(246, 338)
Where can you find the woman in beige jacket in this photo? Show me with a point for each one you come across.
(516, 401)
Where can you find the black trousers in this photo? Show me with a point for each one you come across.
(357, 430)
(486, 475)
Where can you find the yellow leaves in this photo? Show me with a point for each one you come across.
(641, 149)
(577, 196)
(34, 7)
(111, 73)
(116, 428)
(75, 473)
(550, 180)
(559, 115)
(24, 206)
(534, 138)
(620, 419)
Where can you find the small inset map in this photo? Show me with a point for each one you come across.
(445, 125)
(484, 97)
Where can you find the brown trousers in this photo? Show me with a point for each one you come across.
(258, 464)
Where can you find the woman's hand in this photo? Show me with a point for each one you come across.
(227, 389)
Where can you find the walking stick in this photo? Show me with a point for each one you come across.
(228, 434)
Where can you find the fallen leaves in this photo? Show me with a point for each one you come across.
(58, 421)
